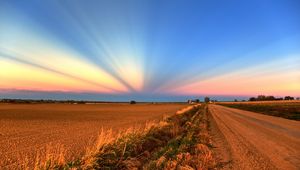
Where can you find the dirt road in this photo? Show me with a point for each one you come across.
(248, 140)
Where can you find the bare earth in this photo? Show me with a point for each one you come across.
(30, 129)
(248, 140)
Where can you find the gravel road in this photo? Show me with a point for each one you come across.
(248, 140)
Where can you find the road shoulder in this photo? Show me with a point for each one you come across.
(221, 148)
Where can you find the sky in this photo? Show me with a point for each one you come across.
(149, 50)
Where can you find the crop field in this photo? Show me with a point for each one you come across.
(286, 109)
(181, 141)
(29, 132)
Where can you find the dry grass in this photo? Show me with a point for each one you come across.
(30, 134)
(191, 149)
(49, 158)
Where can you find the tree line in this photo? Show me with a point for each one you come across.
(28, 101)
(271, 98)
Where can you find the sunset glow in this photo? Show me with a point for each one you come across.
(150, 48)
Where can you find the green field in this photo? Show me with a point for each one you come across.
(288, 110)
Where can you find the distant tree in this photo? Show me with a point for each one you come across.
(270, 98)
(252, 99)
(261, 97)
(206, 99)
(197, 101)
(266, 98)
(298, 98)
(235, 100)
(81, 102)
(132, 102)
(288, 98)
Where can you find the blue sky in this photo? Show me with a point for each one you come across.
(91, 49)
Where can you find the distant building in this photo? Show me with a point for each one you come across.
(213, 101)
(206, 99)
(193, 101)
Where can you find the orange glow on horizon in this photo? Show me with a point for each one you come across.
(20, 76)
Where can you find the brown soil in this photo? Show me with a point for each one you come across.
(248, 140)
(26, 129)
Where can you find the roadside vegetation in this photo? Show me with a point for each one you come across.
(177, 142)
(288, 110)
